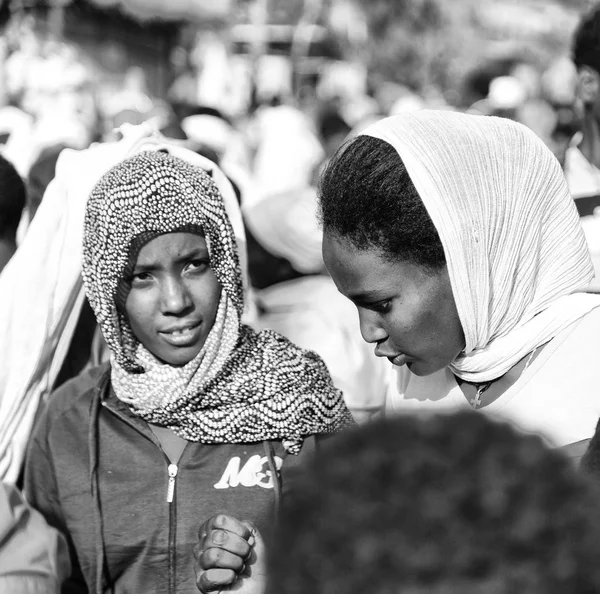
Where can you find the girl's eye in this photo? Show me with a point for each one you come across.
(140, 278)
(198, 265)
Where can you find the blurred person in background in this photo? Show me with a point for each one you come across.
(333, 129)
(212, 134)
(208, 131)
(41, 173)
(582, 160)
(582, 167)
(506, 95)
(286, 149)
(468, 271)
(12, 203)
(51, 84)
(554, 124)
(34, 558)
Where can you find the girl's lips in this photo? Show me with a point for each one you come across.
(183, 338)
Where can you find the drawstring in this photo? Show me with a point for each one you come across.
(275, 475)
(94, 460)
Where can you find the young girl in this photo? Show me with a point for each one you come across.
(196, 413)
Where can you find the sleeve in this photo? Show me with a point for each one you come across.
(33, 556)
(41, 490)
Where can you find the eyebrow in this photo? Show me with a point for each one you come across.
(366, 297)
(184, 257)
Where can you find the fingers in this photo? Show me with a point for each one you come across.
(220, 558)
(256, 563)
(221, 539)
(221, 552)
(227, 523)
(256, 540)
(215, 579)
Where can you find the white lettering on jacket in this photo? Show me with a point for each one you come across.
(255, 472)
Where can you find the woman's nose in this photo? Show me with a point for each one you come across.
(370, 328)
(175, 297)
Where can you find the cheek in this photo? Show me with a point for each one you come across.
(206, 294)
(139, 309)
(413, 319)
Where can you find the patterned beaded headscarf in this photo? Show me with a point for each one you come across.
(242, 386)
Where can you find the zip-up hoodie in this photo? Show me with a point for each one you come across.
(98, 473)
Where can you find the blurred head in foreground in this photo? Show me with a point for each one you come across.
(448, 504)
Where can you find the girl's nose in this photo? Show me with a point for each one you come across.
(175, 297)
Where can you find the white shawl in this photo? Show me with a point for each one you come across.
(515, 250)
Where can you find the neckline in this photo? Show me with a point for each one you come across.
(510, 393)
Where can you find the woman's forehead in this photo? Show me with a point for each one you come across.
(352, 268)
(172, 246)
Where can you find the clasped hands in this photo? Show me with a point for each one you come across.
(230, 557)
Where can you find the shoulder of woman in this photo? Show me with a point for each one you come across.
(33, 556)
(76, 391)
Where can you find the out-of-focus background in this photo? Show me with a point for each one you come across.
(111, 61)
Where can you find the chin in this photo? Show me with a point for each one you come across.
(180, 358)
(421, 369)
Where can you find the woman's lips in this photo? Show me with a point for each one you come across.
(183, 337)
(398, 360)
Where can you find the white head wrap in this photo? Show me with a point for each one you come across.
(514, 246)
(287, 226)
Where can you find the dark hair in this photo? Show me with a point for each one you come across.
(586, 41)
(367, 197)
(12, 198)
(439, 505)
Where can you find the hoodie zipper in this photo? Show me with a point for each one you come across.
(172, 472)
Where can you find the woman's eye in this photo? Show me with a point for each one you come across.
(381, 306)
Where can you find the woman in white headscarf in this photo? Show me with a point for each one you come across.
(456, 238)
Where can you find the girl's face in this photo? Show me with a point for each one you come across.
(174, 297)
(406, 311)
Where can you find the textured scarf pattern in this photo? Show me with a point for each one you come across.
(513, 242)
(241, 387)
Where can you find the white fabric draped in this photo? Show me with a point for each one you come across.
(515, 250)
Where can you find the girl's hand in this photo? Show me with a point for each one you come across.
(230, 557)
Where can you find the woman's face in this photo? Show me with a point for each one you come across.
(174, 297)
(406, 311)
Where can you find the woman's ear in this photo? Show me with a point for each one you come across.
(588, 85)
